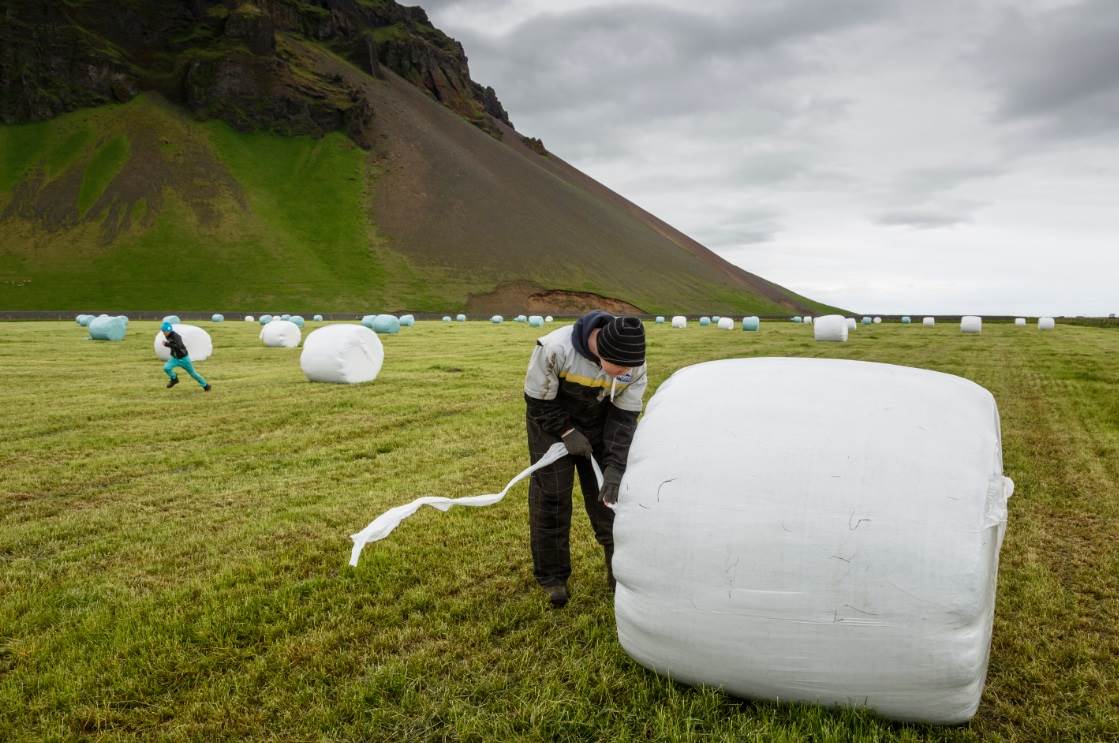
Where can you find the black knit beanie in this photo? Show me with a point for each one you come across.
(621, 341)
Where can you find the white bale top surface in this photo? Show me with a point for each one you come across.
(197, 341)
(830, 533)
(281, 334)
(342, 354)
(831, 328)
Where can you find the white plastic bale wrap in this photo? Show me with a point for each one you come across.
(535, 321)
(460, 317)
(851, 324)
(660, 319)
(844, 553)
(807, 320)
(342, 354)
(878, 321)
(929, 322)
(250, 318)
(725, 323)
(679, 321)
(198, 344)
(1020, 322)
(1046, 323)
(971, 324)
(831, 328)
(548, 318)
(281, 334)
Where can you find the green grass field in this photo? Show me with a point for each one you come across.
(173, 563)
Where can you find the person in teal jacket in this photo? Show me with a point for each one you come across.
(180, 359)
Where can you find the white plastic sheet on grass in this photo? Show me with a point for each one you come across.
(383, 525)
(846, 553)
(281, 334)
(342, 354)
(831, 328)
(198, 344)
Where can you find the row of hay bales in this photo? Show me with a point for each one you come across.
(836, 328)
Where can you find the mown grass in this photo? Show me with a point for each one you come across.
(173, 563)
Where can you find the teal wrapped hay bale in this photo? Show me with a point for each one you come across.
(716, 318)
(217, 317)
(298, 320)
(460, 317)
(83, 320)
(173, 319)
(751, 324)
(798, 319)
(868, 321)
(367, 321)
(906, 320)
(386, 324)
(520, 318)
(497, 319)
(536, 321)
(285, 317)
(660, 319)
(265, 319)
(106, 328)
(407, 321)
(317, 318)
(704, 322)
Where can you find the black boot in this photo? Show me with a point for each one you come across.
(558, 595)
(610, 567)
(174, 381)
(206, 388)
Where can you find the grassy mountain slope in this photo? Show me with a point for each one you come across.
(442, 207)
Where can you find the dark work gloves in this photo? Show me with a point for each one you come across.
(611, 479)
(577, 444)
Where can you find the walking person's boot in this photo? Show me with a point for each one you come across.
(558, 595)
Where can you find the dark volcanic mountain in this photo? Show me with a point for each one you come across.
(326, 153)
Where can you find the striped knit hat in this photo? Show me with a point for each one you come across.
(621, 341)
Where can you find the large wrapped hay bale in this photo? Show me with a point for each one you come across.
(317, 318)
(407, 321)
(971, 324)
(1020, 322)
(217, 317)
(520, 318)
(460, 317)
(906, 320)
(548, 318)
(929, 322)
(660, 320)
(497, 319)
(751, 324)
(281, 334)
(851, 324)
(725, 323)
(704, 322)
(798, 319)
(715, 319)
(679, 321)
(197, 341)
(535, 321)
(446, 318)
(342, 354)
(298, 320)
(863, 574)
(868, 320)
(108, 328)
(386, 324)
(808, 320)
(286, 317)
(831, 328)
(367, 321)
(265, 319)
(173, 319)
(1046, 323)
(877, 320)
(250, 318)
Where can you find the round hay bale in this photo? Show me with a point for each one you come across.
(173, 319)
(265, 319)
(798, 319)
(868, 320)
(342, 354)
(1020, 322)
(460, 317)
(217, 317)
(906, 320)
(679, 321)
(660, 319)
(281, 334)
(386, 324)
(535, 321)
(497, 319)
(831, 328)
(808, 320)
(83, 320)
(851, 324)
(548, 318)
(751, 324)
(250, 318)
(864, 573)
(971, 324)
(1046, 323)
(725, 323)
(317, 318)
(197, 341)
(929, 322)
(286, 317)
(108, 328)
(878, 321)
(407, 321)
(704, 322)
(446, 318)
(298, 320)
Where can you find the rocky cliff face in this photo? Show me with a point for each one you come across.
(228, 59)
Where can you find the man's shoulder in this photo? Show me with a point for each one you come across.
(560, 338)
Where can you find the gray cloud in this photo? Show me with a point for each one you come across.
(923, 219)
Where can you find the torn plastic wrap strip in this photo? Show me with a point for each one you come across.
(384, 524)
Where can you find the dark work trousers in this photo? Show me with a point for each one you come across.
(549, 506)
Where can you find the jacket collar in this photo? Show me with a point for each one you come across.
(581, 333)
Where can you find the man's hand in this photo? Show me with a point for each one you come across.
(611, 479)
(165, 343)
(577, 444)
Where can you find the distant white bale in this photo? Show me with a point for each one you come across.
(808, 320)
(863, 574)
(660, 319)
(868, 320)
(250, 318)
(460, 317)
(1020, 322)
(798, 319)
(497, 319)
(751, 324)
(679, 321)
(317, 318)
(971, 324)
(535, 321)
(906, 320)
(704, 321)
(197, 341)
(1046, 323)
(878, 321)
(851, 324)
(342, 354)
(929, 322)
(548, 318)
(108, 328)
(446, 318)
(281, 334)
(217, 317)
(725, 323)
(407, 321)
(831, 328)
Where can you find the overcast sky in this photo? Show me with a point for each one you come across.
(883, 155)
